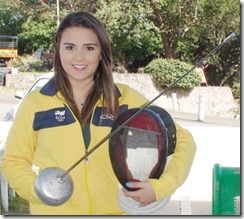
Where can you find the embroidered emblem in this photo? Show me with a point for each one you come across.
(107, 116)
(59, 115)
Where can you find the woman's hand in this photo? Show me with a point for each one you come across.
(144, 195)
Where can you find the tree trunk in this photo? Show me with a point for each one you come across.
(167, 50)
(159, 23)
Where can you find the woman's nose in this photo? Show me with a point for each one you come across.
(80, 54)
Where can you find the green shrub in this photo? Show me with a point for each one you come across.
(167, 71)
(236, 89)
(33, 66)
(14, 63)
(17, 206)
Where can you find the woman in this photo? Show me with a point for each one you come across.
(58, 124)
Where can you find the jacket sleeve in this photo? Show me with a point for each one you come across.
(16, 163)
(178, 167)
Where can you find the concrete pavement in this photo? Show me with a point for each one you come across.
(186, 119)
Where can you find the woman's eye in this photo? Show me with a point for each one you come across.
(90, 48)
(69, 47)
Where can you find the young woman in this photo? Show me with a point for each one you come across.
(59, 123)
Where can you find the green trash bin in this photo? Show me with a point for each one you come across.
(226, 190)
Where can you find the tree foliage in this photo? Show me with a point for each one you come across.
(134, 37)
(140, 30)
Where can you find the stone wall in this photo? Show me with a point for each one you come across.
(218, 101)
(21, 81)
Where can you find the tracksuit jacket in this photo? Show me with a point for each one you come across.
(46, 133)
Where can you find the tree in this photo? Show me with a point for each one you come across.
(140, 30)
(174, 19)
(219, 19)
(35, 22)
(11, 19)
(134, 37)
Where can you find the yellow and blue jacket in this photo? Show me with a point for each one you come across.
(46, 133)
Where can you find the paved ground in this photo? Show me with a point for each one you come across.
(7, 100)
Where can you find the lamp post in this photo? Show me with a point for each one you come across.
(57, 12)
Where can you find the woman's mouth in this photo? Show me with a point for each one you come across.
(80, 67)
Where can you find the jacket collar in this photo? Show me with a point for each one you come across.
(49, 89)
(117, 91)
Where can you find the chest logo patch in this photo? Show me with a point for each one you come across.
(59, 115)
(107, 116)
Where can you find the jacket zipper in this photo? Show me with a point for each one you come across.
(86, 159)
(87, 186)
(86, 173)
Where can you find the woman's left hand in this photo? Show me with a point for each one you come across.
(144, 195)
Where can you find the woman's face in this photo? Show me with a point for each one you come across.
(80, 53)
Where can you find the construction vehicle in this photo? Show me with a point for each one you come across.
(8, 51)
(8, 48)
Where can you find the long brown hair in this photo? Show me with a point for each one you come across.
(103, 88)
